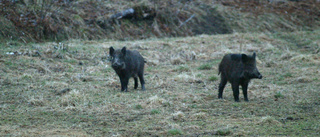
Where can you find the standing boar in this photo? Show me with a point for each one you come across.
(127, 64)
(238, 69)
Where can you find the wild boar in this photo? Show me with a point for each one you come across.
(238, 69)
(128, 64)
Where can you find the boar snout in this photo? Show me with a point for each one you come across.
(256, 74)
(259, 76)
(118, 65)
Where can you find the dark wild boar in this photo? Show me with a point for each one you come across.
(127, 64)
(238, 69)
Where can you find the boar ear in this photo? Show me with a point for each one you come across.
(254, 55)
(111, 51)
(124, 50)
(244, 57)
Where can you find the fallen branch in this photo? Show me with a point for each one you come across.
(124, 14)
(186, 20)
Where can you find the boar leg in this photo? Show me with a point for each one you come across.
(140, 75)
(244, 90)
(235, 89)
(135, 82)
(124, 83)
(222, 84)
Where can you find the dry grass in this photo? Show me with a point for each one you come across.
(71, 90)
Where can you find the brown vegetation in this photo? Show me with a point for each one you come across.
(60, 20)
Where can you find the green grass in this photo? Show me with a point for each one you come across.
(155, 111)
(71, 61)
(205, 67)
(288, 74)
(175, 132)
(223, 132)
(149, 68)
(138, 107)
(213, 78)
(182, 68)
(278, 95)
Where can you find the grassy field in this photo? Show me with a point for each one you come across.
(69, 88)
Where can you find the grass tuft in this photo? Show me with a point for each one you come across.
(269, 120)
(223, 132)
(138, 107)
(205, 67)
(155, 111)
(278, 95)
(175, 132)
(182, 68)
(178, 116)
(213, 78)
